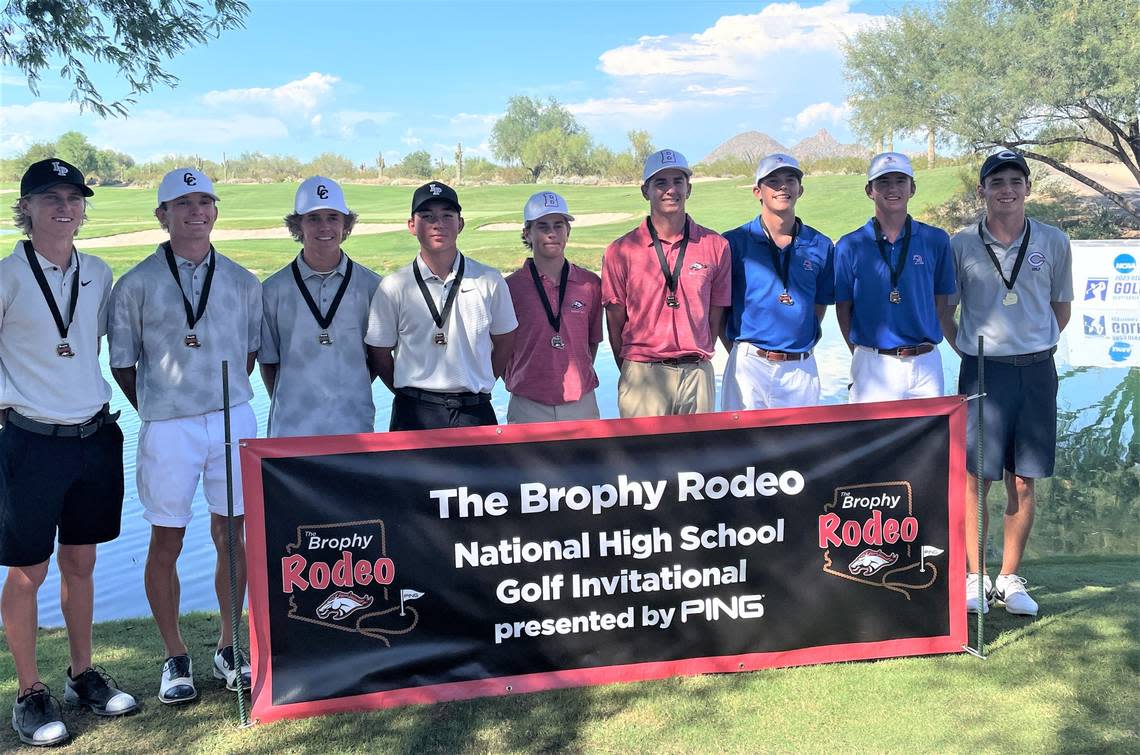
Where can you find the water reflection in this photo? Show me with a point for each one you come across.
(1091, 506)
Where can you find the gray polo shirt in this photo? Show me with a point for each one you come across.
(1046, 276)
(320, 389)
(147, 327)
(400, 318)
(34, 380)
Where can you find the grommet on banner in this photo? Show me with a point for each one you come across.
(498, 431)
(509, 688)
(740, 666)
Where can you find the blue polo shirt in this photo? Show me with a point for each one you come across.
(757, 315)
(862, 277)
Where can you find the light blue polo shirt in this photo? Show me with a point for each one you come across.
(862, 277)
(757, 315)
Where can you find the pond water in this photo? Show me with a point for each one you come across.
(1090, 506)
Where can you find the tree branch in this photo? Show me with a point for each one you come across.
(1129, 206)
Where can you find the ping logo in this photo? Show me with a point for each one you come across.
(1096, 289)
(549, 199)
(61, 170)
(323, 191)
(435, 190)
(189, 179)
(1125, 264)
(1120, 351)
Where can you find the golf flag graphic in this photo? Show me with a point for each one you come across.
(407, 594)
(928, 550)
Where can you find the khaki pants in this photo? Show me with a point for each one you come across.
(522, 410)
(652, 389)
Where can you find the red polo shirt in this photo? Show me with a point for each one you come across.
(537, 370)
(632, 277)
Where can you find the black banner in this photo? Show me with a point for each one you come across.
(411, 567)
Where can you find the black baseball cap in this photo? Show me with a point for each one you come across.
(435, 191)
(41, 176)
(1004, 159)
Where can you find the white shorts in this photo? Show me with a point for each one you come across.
(175, 453)
(880, 377)
(522, 410)
(754, 382)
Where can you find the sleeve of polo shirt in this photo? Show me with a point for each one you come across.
(503, 319)
(844, 275)
(383, 316)
(253, 313)
(722, 283)
(944, 283)
(270, 350)
(956, 266)
(1062, 284)
(124, 323)
(613, 276)
(104, 302)
(825, 285)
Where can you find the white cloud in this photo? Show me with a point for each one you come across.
(21, 125)
(163, 132)
(291, 98)
(468, 121)
(734, 45)
(821, 113)
(616, 108)
(734, 91)
(351, 124)
(411, 139)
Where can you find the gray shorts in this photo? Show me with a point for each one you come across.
(1020, 417)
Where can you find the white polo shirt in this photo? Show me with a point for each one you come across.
(400, 318)
(147, 327)
(34, 380)
(321, 389)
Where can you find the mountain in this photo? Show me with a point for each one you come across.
(752, 145)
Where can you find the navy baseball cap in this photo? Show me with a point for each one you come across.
(1004, 159)
(41, 176)
(436, 191)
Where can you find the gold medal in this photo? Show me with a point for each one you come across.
(1009, 299)
(64, 350)
(192, 341)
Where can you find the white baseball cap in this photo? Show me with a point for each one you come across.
(889, 162)
(664, 159)
(319, 193)
(182, 181)
(545, 203)
(775, 162)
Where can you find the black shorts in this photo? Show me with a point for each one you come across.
(415, 414)
(1020, 416)
(47, 483)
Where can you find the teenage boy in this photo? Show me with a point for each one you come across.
(559, 308)
(61, 452)
(441, 329)
(893, 280)
(1015, 285)
(313, 359)
(665, 286)
(174, 318)
(782, 281)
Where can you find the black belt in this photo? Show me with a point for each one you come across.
(782, 356)
(83, 430)
(678, 361)
(908, 351)
(450, 400)
(1022, 360)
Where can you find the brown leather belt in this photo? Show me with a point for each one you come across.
(908, 351)
(782, 356)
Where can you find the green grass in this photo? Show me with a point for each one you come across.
(833, 204)
(1065, 682)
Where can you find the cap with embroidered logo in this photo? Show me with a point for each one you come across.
(182, 181)
(319, 193)
(545, 203)
(1004, 159)
(775, 162)
(664, 159)
(435, 191)
(889, 162)
(41, 176)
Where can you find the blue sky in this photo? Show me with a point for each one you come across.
(360, 77)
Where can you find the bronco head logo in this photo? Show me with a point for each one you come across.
(342, 603)
(870, 561)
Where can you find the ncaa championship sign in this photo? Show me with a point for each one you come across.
(396, 568)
